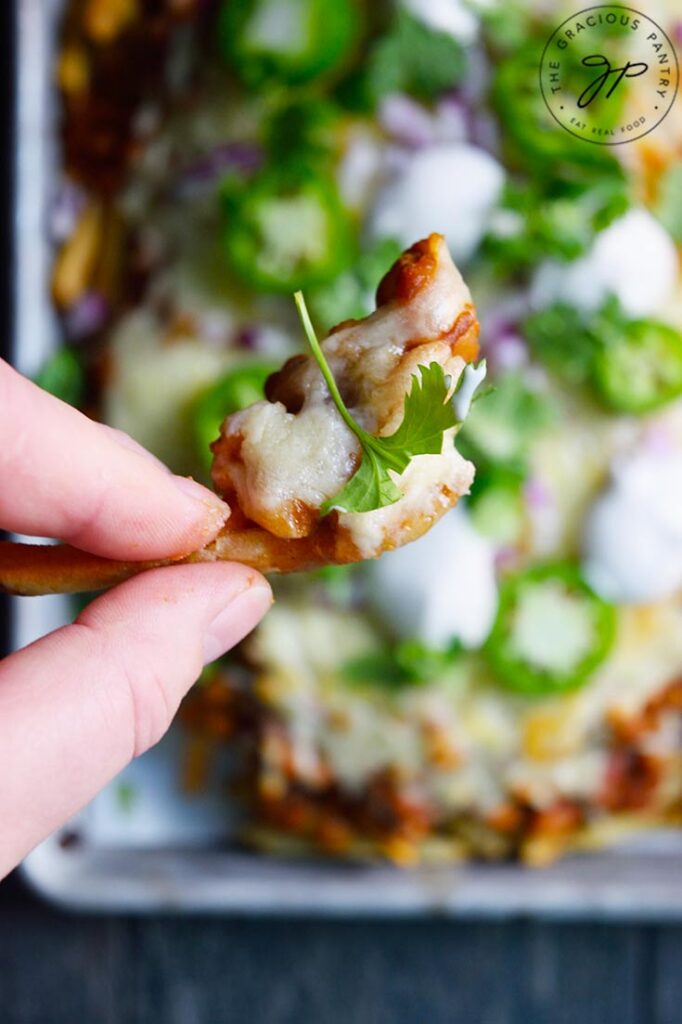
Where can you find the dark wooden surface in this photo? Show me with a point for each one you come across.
(62, 969)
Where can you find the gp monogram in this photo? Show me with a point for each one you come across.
(609, 74)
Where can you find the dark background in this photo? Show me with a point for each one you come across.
(57, 967)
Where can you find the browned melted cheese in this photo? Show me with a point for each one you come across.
(279, 460)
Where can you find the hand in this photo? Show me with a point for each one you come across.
(78, 705)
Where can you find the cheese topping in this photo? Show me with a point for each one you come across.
(282, 458)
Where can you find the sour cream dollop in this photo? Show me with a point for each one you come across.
(633, 534)
(634, 258)
(453, 17)
(450, 188)
(440, 587)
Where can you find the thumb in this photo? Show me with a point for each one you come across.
(78, 705)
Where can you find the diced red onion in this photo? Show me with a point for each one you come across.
(68, 204)
(659, 439)
(484, 132)
(454, 99)
(245, 157)
(459, 118)
(396, 159)
(476, 83)
(452, 119)
(536, 493)
(407, 121)
(503, 345)
(248, 337)
(509, 310)
(87, 316)
(677, 32)
(267, 339)
(506, 558)
(508, 351)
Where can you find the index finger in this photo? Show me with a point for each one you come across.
(62, 475)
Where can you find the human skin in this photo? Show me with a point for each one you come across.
(79, 704)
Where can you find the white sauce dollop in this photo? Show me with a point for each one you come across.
(633, 535)
(440, 587)
(634, 258)
(453, 17)
(450, 188)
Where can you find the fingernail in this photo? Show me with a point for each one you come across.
(236, 620)
(216, 509)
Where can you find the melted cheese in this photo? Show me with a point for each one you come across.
(284, 465)
(548, 748)
(427, 485)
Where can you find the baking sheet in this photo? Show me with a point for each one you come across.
(144, 846)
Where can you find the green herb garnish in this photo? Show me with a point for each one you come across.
(631, 365)
(407, 663)
(125, 796)
(412, 57)
(63, 376)
(567, 340)
(427, 415)
(535, 222)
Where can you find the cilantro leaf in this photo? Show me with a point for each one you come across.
(63, 375)
(407, 663)
(427, 415)
(125, 796)
(369, 488)
(560, 337)
(412, 57)
(533, 224)
(568, 340)
(630, 365)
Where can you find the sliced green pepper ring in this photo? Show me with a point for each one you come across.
(518, 101)
(551, 632)
(290, 41)
(283, 235)
(239, 388)
(642, 369)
